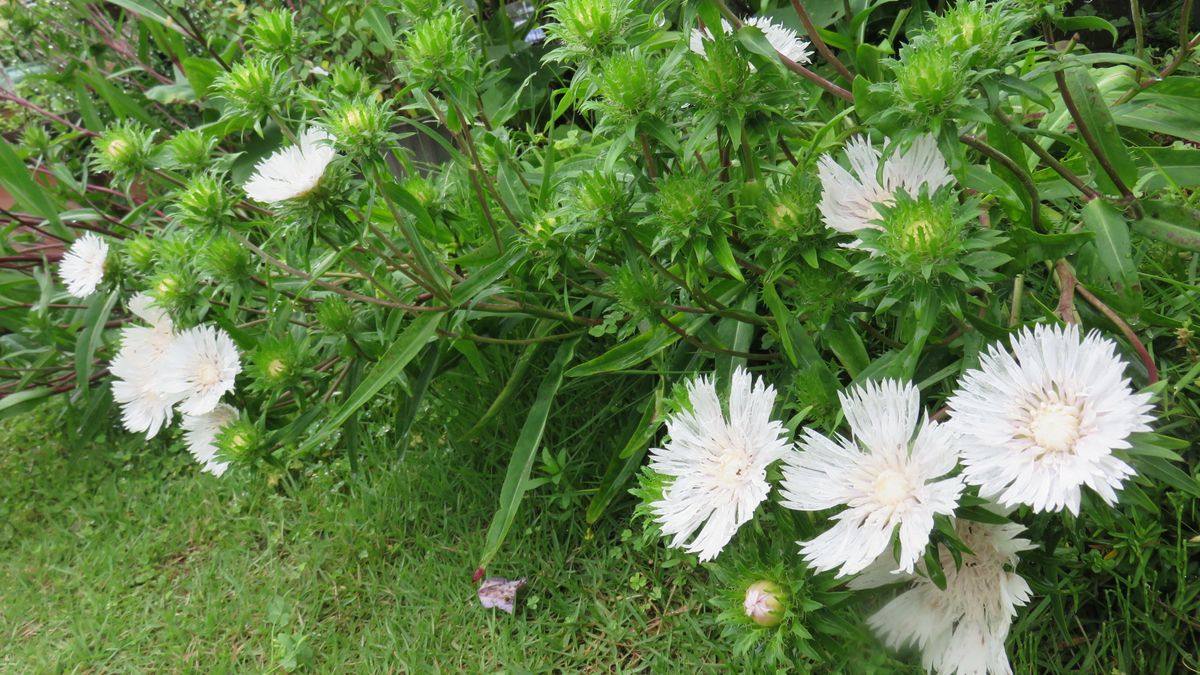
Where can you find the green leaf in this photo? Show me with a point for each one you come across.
(1164, 471)
(201, 73)
(1184, 237)
(394, 195)
(406, 346)
(171, 94)
(486, 276)
(516, 479)
(724, 255)
(149, 11)
(847, 346)
(1109, 226)
(1170, 168)
(89, 338)
(23, 401)
(629, 353)
(20, 184)
(626, 462)
(1094, 111)
(1071, 24)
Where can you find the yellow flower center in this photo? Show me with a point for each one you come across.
(891, 487)
(1055, 427)
(276, 367)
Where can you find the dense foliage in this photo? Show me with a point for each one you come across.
(292, 232)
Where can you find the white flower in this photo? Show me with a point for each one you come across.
(848, 198)
(962, 629)
(885, 476)
(293, 171)
(200, 432)
(200, 367)
(1043, 422)
(145, 406)
(719, 463)
(142, 306)
(783, 39)
(82, 266)
(147, 343)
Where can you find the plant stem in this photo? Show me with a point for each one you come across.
(1016, 170)
(1142, 352)
(814, 36)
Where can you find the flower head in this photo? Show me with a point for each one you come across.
(889, 475)
(783, 39)
(293, 171)
(200, 432)
(718, 463)
(849, 198)
(764, 603)
(145, 406)
(200, 367)
(82, 266)
(959, 630)
(1042, 422)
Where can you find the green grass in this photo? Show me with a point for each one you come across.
(119, 556)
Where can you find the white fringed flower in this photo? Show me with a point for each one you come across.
(137, 385)
(719, 464)
(1040, 423)
(886, 477)
(200, 433)
(960, 630)
(145, 406)
(848, 198)
(783, 39)
(200, 367)
(82, 266)
(293, 171)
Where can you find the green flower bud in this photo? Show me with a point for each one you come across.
(418, 10)
(421, 188)
(360, 126)
(920, 230)
(765, 603)
(141, 251)
(437, 50)
(253, 88)
(190, 150)
(172, 289)
(929, 77)
(600, 198)
(225, 259)
(978, 30)
(587, 28)
(721, 78)
(204, 202)
(276, 362)
(629, 85)
(349, 83)
(274, 33)
(335, 315)
(685, 205)
(238, 441)
(36, 140)
(123, 150)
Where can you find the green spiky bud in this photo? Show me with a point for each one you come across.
(360, 126)
(204, 202)
(36, 140)
(225, 259)
(685, 204)
(978, 30)
(190, 150)
(349, 83)
(253, 88)
(929, 78)
(238, 441)
(335, 315)
(274, 33)
(765, 603)
(584, 29)
(600, 197)
(437, 50)
(418, 10)
(721, 77)
(173, 289)
(141, 252)
(629, 85)
(123, 150)
(275, 363)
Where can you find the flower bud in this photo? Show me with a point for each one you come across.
(274, 33)
(930, 78)
(685, 205)
(275, 363)
(204, 202)
(238, 440)
(437, 50)
(253, 88)
(586, 28)
(35, 139)
(225, 259)
(123, 150)
(348, 82)
(140, 251)
(978, 30)
(172, 289)
(335, 315)
(360, 126)
(629, 85)
(765, 603)
(190, 150)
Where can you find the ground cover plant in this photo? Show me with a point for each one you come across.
(883, 314)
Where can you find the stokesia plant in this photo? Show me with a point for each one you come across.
(931, 274)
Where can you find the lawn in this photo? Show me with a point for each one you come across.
(119, 556)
